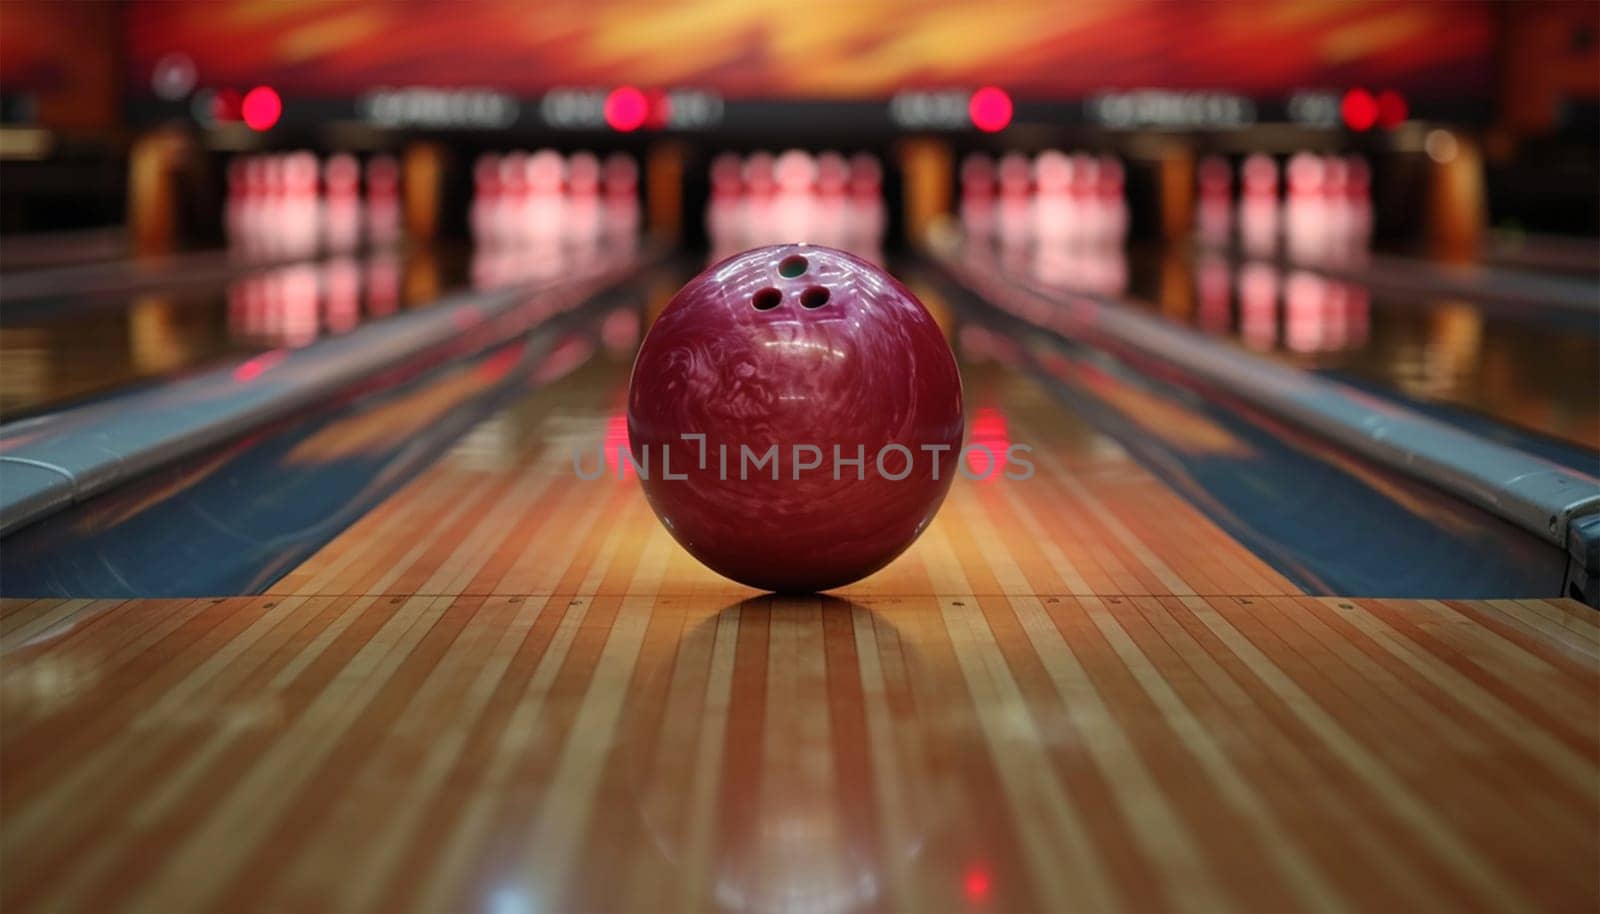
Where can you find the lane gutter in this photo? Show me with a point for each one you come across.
(52, 461)
(1556, 504)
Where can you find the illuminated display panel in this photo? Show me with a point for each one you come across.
(747, 50)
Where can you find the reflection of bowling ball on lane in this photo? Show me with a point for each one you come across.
(794, 362)
(800, 840)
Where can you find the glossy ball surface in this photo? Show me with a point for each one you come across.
(795, 346)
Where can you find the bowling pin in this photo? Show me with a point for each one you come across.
(514, 207)
(301, 204)
(1306, 228)
(832, 188)
(1053, 206)
(1258, 205)
(1358, 203)
(620, 182)
(761, 191)
(1214, 208)
(724, 206)
(341, 213)
(795, 173)
(269, 216)
(545, 215)
(1014, 212)
(383, 200)
(1086, 225)
(866, 216)
(978, 196)
(1112, 202)
(486, 216)
(582, 216)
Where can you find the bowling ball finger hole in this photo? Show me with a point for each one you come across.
(766, 299)
(792, 266)
(814, 297)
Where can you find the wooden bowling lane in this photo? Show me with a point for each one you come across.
(625, 750)
(505, 513)
(507, 690)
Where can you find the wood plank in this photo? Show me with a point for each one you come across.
(906, 752)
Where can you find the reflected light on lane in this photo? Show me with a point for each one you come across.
(255, 367)
(989, 429)
(566, 356)
(511, 901)
(1258, 305)
(616, 446)
(977, 884)
(620, 331)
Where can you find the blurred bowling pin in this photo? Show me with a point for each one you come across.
(1306, 224)
(760, 200)
(513, 211)
(583, 199)
(795, 172)
(1086, 225)
(1014, 212)
(383, 200)
(1214, 210)
(725, 211)
(341, 214)
(544, 218)
(620, 184)
(1258, 205)
(487, 215)
(1055, 212)
(978, 195)
(1112, 201)
(832, 187)
(301, 206)
(866, 217)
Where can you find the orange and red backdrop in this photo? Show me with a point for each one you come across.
(827, 49)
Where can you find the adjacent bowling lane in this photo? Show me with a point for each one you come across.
(1526, 367)
(62, 350)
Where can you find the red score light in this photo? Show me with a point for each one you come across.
(990, 109)
(1392, 109)
(626, 109)
(224, 105)
(261, 108)
(1359, 109)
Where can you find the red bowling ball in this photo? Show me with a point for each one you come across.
(795, 414)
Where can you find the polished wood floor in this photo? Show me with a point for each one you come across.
(508, 691)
